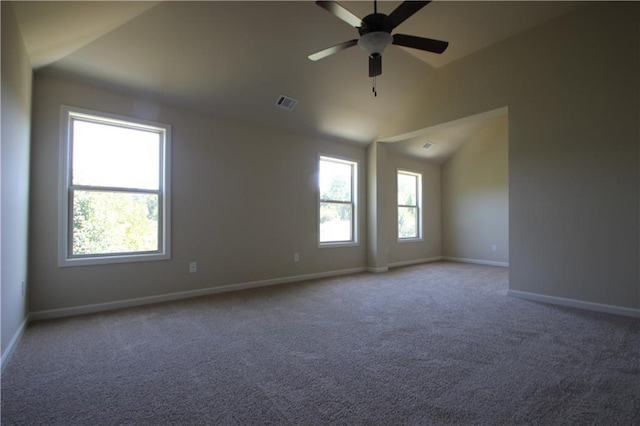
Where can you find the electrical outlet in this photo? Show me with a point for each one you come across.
(193, 267)
(296, 257)
(22, 288)
(494, 247)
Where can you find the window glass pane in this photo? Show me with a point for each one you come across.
(114, 156)
(114, 222)
(407, 222)
(407, 190)
(335, 222)
(335, 181)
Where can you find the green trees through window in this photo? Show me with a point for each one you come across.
(114, 222)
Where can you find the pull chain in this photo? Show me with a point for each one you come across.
(373, 89)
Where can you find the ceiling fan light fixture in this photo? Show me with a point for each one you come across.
(375, 42)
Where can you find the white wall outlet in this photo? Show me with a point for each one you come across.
(193, 267)
(296, 257)
(494, 247)
(22, 288)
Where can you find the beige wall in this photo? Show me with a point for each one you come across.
(384, 249)
(431, 244)
(475, 196)
(16, 123)
(571, 87)
(244, 200)
(376, 241)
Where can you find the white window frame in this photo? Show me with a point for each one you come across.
(418, 206)
(65, 210)
(354, 201)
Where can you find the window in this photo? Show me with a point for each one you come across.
(337, 182)
(409, 205)
(115, 198)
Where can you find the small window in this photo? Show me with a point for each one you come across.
(409, 205)
(337, 182)
(115, 196)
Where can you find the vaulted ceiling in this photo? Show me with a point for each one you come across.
(235, 58)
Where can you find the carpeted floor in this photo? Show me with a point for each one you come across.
(439, 343)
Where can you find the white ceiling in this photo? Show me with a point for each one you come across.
(53, 29)
(235, 58)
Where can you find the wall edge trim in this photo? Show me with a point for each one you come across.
(168, 297)
(415, 261)
(477, 261)
(14, 343)
(575, 303)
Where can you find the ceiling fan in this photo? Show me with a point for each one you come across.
(375, 32)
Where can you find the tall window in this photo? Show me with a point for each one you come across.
(337, 181)
(115, 196)
(409, 205)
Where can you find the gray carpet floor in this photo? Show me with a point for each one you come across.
(439, 343)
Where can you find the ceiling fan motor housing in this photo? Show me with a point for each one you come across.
(375, 34)
(375, 22)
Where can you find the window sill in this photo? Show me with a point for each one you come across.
(410, 240)
(107, 260)
(338, 244)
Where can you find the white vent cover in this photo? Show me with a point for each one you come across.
(286, 102)
(427, 145)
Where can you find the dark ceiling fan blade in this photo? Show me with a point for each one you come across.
(375, 66)
(340, 12)
(427, 44)
(405, 10)
(333, 49)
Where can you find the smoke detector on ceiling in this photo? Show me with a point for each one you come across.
(286, 102)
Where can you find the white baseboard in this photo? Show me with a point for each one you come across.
(574, 303)
(99, 307)
(377, 270)
(415, 261)
(477, 261)
(13, 343)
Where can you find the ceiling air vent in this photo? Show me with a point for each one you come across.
(427, 145)
(286, 102)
